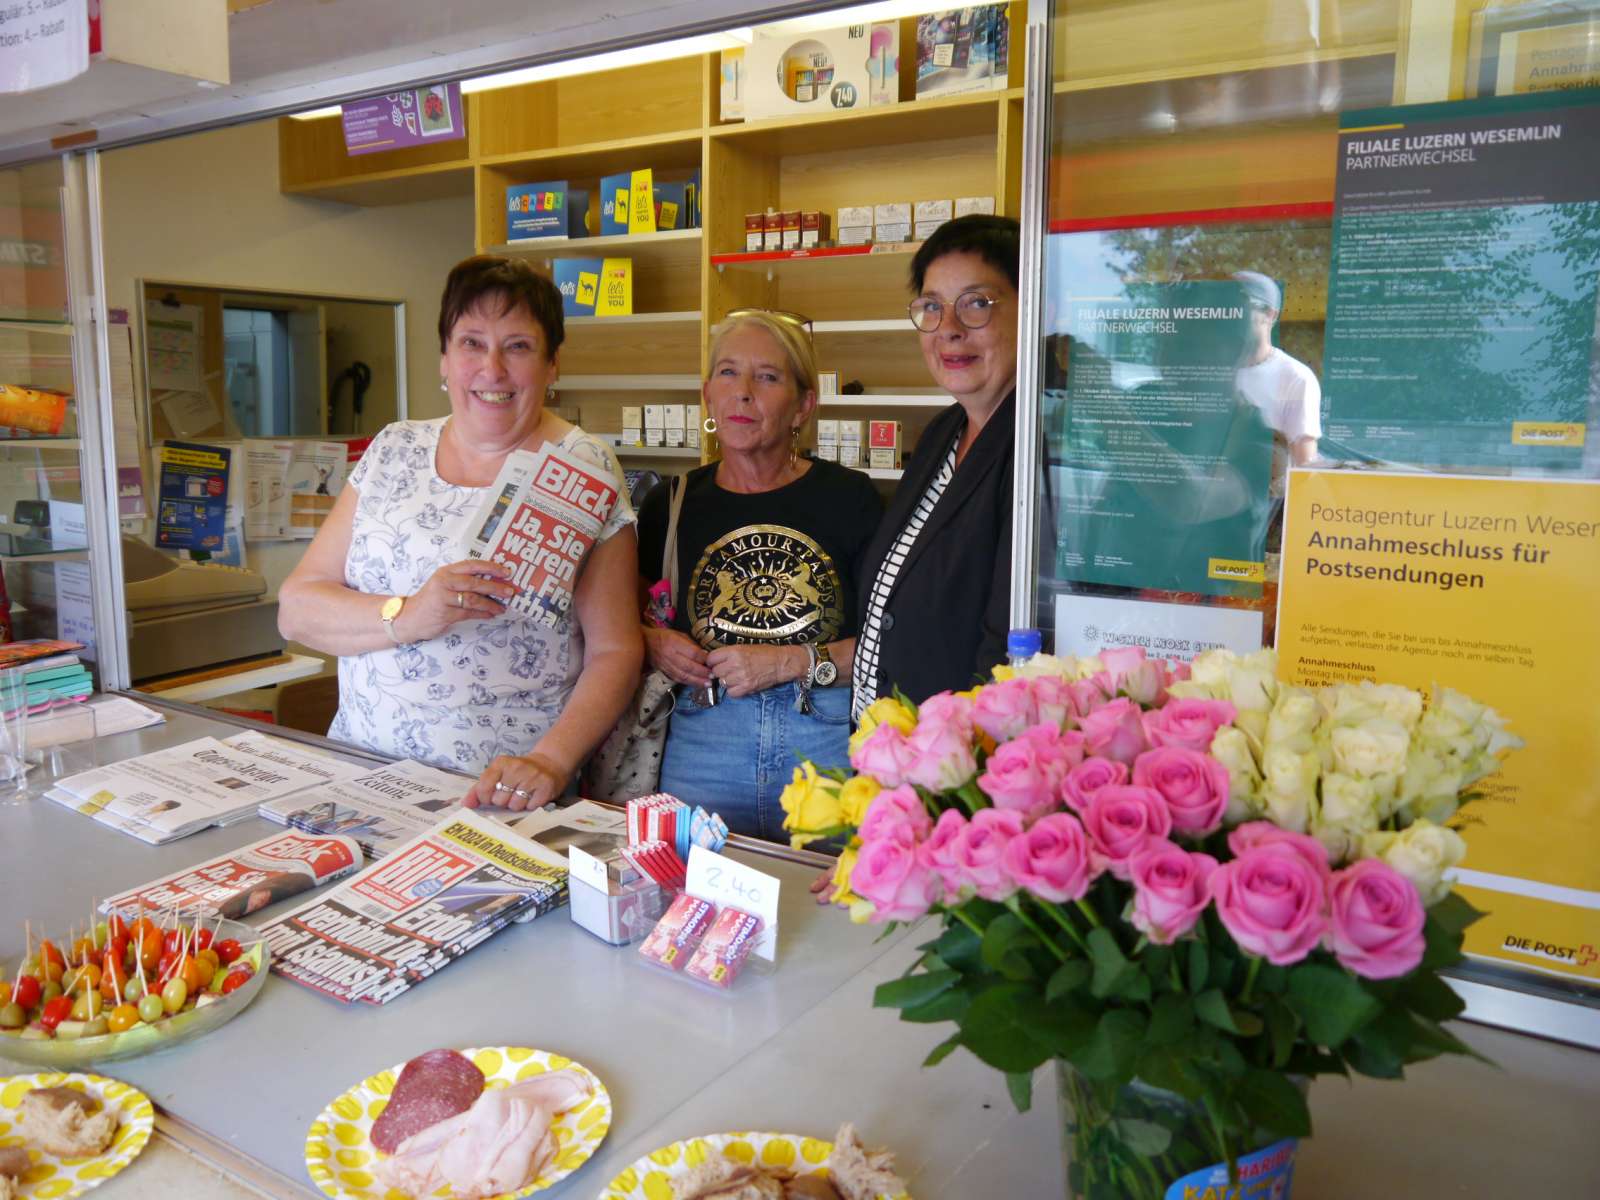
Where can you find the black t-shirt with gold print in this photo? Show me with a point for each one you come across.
(775, 568)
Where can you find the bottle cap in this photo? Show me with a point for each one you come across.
(1023, 643)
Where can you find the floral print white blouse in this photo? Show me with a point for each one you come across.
(484, 687)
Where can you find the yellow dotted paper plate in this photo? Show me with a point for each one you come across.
(52, 1178)
(652, 1177)
(339, 1151)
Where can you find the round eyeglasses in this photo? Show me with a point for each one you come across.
(972, 309)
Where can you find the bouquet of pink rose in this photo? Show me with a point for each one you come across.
(1176, 880)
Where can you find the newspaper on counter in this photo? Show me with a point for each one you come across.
(381, 809)
(172, 793)
(416, 910)
(540, 519)
(242, 881)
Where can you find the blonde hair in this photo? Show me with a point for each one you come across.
(792, 339)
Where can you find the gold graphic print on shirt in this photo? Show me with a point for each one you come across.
(765, 583)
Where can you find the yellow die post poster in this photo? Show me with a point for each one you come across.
(1487, 586)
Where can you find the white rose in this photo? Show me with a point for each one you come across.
(1431, 780)
(1422, 853)
(1210, 668)
(1400, 704)
(1375, 747)
(1293, 719)
(1290, 790)
(1067, 667)
(1347, 704)
(1349, 811)
(1231, 748)
(1191, 689)
(1252, 682)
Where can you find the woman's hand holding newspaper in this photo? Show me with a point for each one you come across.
(469, 590)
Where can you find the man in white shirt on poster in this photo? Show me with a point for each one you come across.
(1282, 389)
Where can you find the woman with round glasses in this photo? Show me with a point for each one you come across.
(935, 592)
(769, 546)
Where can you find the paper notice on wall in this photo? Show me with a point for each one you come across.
(190, 413)
(172, 350)
(125, 421)
(1086, 625)
(266, 503)
(43, 43)
(316, 473)
(75, 607)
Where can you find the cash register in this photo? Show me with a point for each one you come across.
(184, 615)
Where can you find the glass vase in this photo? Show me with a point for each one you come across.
(1144, 1143)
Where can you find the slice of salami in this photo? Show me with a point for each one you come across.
(432, 1087)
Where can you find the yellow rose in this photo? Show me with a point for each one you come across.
(885, 710)
(842, 895)
(855, 796)
(810, 802)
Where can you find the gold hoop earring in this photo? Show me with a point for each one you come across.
(794, 446)
(709, 425)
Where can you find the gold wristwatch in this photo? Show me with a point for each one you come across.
(390, 610)
(824, 672)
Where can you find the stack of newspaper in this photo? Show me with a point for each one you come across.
(241, 881)
(172, 793)
(381, 808)
(541, 516)
(424, 905)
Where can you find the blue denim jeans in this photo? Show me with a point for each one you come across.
(736, 757)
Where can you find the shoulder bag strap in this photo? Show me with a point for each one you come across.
(669, 556)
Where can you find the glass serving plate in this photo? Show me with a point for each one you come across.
(66, 1054)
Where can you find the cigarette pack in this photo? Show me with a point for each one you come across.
(850, 443)
(828, 439)
(967, 205)
(827, 383)
(632, 425)
(674, 424)
(813, 229)
(790, 228)
(691, 427)
(893, 231)
(891, 214)
(883, 445)
(755, 225)
(655, 424)
(772, 230)
(933, 210)
(854, 224)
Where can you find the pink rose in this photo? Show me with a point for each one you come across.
(1003, 710)
(1256, 834)
(889, 874)
(937, 854)
(1087, 778)
(1169, 890)
(1118, 662)
(942, 757)
(1187, 723)
(947, 708)
(1194, 785)
(1114, 730)
(979, 854)
(1146, 684)
(897, 813)
(1019, 776)
(1051, 860)
(1121, 820)
(1377, 920)
(1086, 697)
(1052, 700)
(886, 755)
(1273, 902)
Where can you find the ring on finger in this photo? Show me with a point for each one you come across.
(520, 792)
(461, 600)
(503, 787)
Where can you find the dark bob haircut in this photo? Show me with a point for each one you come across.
(996, 240)
(501, 285)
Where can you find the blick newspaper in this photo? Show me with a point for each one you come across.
(543, 514)
(244, 880)
(416, 910)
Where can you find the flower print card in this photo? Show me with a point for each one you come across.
(540, 518)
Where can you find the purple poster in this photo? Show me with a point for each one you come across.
(430, 114)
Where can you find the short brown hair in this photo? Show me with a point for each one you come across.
(509, 283)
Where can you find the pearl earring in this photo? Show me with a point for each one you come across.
(443, 386)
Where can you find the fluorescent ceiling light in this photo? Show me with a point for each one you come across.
(861, 14)
(316, 113)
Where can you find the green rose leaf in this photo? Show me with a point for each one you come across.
(1020, 1085)
(1199, 966)
(1067, 978)
(951, 1005)
(1442, 948)
(1455, 913)
(1004, 943)
(1332, 1004)
(1171, 1020)
(1114, 1047)
(1144, 1138)
(1431, 997)
(912, 990)
(942, 1051)
(1112, 970)
(959, 948)
(1273, 1101)
(1282, 1028)
(1212, 1007)
(994, 1030)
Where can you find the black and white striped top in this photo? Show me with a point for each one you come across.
(864, 673)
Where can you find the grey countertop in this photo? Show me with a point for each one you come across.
(800, 1050)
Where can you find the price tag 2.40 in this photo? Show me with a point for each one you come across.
(724, 881)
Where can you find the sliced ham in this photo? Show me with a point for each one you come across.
(432, 1087)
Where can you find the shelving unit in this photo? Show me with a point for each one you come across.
(666, 116)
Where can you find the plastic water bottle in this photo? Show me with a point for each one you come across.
(1023, 644)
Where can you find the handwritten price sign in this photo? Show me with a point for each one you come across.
(726, 882)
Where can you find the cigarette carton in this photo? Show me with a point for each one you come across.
(850, 443)
(813, 229)
(755, 225)
(892, 231)
(674, 424)
(632, 425)
(932, 210)
(883, 445)
(891, 214)
(655, 424)
(827, 383)
(967, 205)
(772, 226)
(789, 224)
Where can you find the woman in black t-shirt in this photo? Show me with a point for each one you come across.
(768, 551)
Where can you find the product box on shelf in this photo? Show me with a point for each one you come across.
(772, 230)
(883, 445)
(790, 226)
(732, 97)
(891, 223)
(962, 50)
(615, 191)
(691, 426)
(928, 215)
(827, 383)
(828, 439)
(655, 424)
(755, 225)
(674, 205)
(538, 210)
(854, 224)
(822, 71)
(632, 425)
(967, 205)
(642, 204)
(813, 229)
(674, 424)
(595, 287)
(850, 443)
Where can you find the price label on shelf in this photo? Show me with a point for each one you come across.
(726, 882)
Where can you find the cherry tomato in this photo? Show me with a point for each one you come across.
(83, 950)
(118, 948)
(201, 939)
(172, 941)
(55, 1012)
(143, 927)
(117, 927)
(211, 957)
(28, 991)
(194, 973)
(123, 1016)
(50, 953)
(228, 950)
(150, 951)
(113, 978)
(236, 979)
(168, 964)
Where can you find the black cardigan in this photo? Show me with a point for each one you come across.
(945, 623)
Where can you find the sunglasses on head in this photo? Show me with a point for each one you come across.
(789, 318)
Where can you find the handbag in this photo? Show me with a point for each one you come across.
(628, 762)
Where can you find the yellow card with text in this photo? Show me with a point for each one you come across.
(642, 208)
(1491, 587)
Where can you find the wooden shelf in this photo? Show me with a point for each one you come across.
(658, 152)
(25, 443)
(653, 451)
(901, 324)
(408, 185)
(48, 328)
(880, 472)
(634, 320)
(48, 556)
(885, 401)
(970, 115)
(674, 250)
(628, 383)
